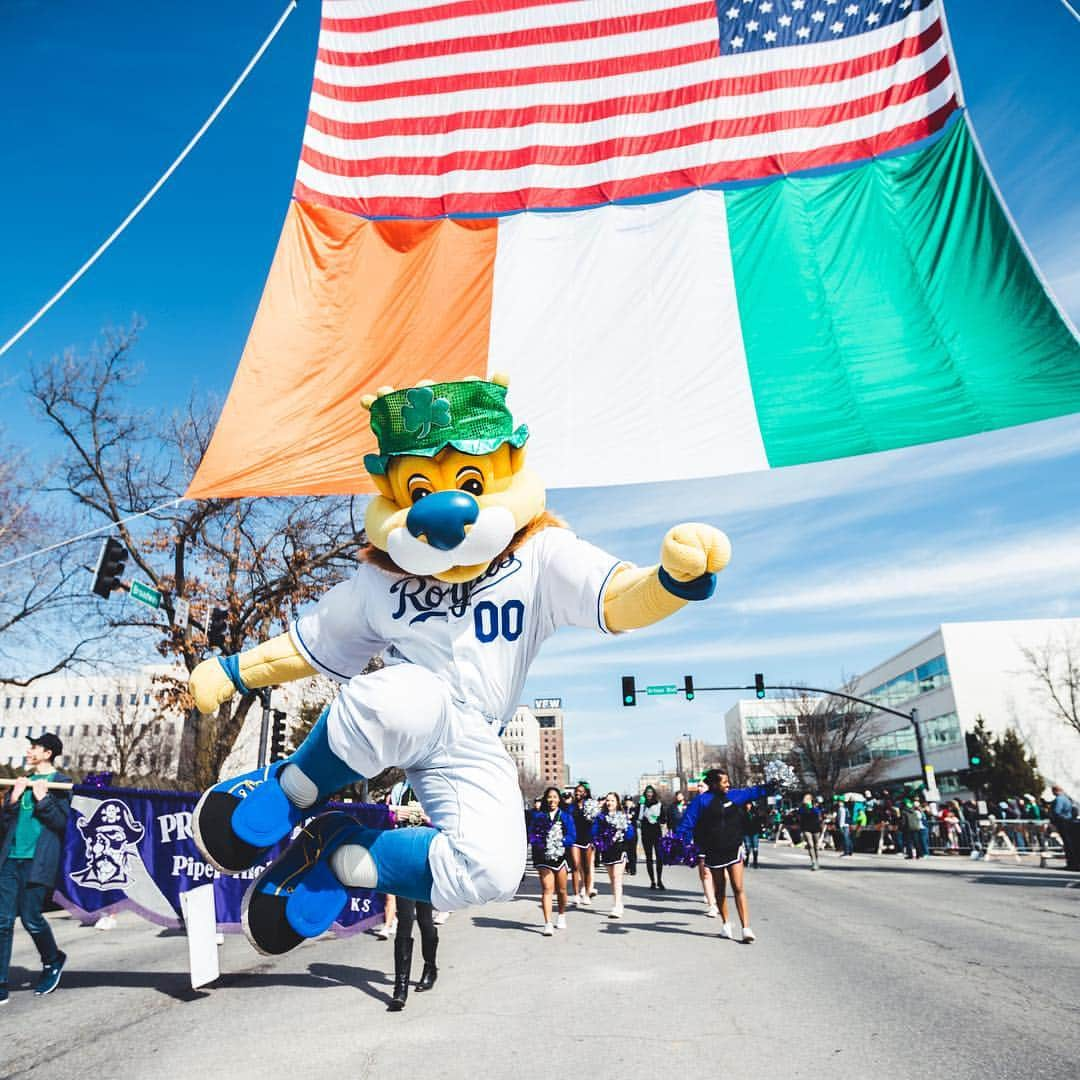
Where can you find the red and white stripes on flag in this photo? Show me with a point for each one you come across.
(422, 109)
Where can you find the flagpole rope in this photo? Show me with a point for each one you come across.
(290, 7)
(92, 532)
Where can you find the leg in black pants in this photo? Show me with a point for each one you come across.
(410, 911)
(650, 841)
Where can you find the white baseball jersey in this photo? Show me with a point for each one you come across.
(480, 636)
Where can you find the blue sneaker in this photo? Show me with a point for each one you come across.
(297, 896)
(237, 821)
(50, 976)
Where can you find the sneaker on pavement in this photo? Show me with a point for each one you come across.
(712, 911)
(4, 999)
(585, 901)
(725, 930)
(385, 930)
(616, 912)
(593, 892)
(548, 930)
(747, 935)
(440, 917)
(560, 922)
(50, 976)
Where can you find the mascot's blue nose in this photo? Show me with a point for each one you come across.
(442, 517)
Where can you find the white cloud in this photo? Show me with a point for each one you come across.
(1035, 563)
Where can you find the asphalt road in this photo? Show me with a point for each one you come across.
(870, 968)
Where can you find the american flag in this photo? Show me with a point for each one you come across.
(423, 109)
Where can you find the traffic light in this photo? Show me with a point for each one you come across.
(688, 687)
(975, 752)
(216, 628)
(759, 684)
(109, 568)
(277, 736)
(629, 691)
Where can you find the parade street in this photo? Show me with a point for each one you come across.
(872, 967)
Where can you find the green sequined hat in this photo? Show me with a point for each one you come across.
(470, 416)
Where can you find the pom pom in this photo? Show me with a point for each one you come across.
(674, 851)
(781, 774)
(611, 831)
(591, 809)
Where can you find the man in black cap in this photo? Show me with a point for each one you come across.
(34, 819)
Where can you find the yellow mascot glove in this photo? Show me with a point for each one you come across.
(692, 550)
(690, 557)
(274, 661)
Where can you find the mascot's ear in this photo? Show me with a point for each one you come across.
(517, 458)
(382, 483)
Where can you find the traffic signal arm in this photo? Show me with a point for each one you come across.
(274, 661)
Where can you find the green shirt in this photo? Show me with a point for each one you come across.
(27, 827)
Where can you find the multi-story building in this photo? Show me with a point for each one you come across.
(521, 737)
(959, 673)
(666, 784)
(534, 739)
(114, 722)
(693, 757)
(952, 677)
(553, 765)
(97, 717)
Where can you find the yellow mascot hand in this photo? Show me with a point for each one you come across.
(210, 686)
(693, 549)
(690, 557)
(275, 661)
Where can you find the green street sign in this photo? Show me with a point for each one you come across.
(145, 594)
(654, 691)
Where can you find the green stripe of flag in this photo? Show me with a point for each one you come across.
(891, 305)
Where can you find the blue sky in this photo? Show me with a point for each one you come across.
(836, 565)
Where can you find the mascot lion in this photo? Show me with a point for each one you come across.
(466, 576)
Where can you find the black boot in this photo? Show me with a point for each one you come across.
(430, 973)
(402, 971)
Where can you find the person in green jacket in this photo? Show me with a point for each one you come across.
(32, 825)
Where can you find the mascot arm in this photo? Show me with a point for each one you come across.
(691, 555)
(274, 661)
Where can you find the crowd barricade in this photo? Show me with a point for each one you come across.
(129, 849)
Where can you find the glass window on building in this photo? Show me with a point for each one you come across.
(89, 699)
(943, 730)
(131, 699)
(119, 700)
(71, 731)
(48, 702)
(75, 702)
(22, 702)
(932, 675)
(63, 699)
(146, 698)
(14, 732)
(893, 744)
(86, 729)
(7, 703)
(1, 732)
(33, 702)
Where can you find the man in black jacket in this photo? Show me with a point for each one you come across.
(34, 821)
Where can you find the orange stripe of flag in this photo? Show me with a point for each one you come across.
(349, 305)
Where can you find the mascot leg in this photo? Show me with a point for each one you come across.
(238, 820)
(465, 781)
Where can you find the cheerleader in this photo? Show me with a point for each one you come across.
(584, 810)
(714, 821)
(652, 819)
(612, 832)
(552, 835)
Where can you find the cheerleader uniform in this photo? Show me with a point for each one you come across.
(715, 824)
(540, 824)
(614, 853)
(583, 827)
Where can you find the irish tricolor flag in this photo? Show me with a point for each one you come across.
(700, 238)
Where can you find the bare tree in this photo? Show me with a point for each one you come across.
(259, 559)
(1055, 667)
(43, 600)
(133, 739)
(831, 742)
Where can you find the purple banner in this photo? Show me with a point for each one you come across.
(131, 849)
